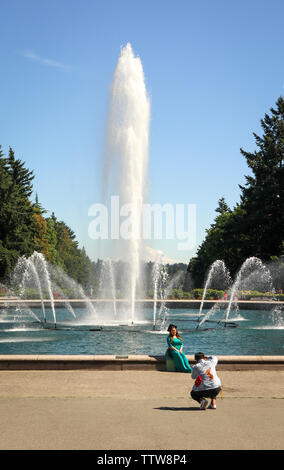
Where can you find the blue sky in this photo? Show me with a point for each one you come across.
(212, 70)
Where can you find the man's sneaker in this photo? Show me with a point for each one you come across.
(203, 404)
(212, 407)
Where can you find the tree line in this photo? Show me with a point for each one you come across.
(24, 228)
(255, 226)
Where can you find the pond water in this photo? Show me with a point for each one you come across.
(257, 332)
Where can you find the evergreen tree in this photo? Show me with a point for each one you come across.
(38, 207)
(218, 244)
(7, 257)
(222, 206)
(255, 226)
(22, 177)
(24, 229)
(16, 212)
(263, 194)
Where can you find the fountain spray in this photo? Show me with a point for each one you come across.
(127, 155)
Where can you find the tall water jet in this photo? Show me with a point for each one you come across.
(20, 307)
(39, 260)
(74, 288)
(23, 272)
(156, 272)
(113, 290)
(64, 300)
(127, 156)
(277, 316)
(165, 288)
(217, 269)
(107, 286)
(251, 271)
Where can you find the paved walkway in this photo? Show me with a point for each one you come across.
(139, 410)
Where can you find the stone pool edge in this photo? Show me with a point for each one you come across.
(130, 362)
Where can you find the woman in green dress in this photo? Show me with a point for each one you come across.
(174, 351)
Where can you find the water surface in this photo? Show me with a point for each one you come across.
(258, 333)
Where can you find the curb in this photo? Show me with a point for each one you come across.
(129, 362)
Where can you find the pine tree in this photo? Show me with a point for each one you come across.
(16, 211)
(263, 194)
(222, 206)
(255, 227)
(22, 177)
(23, 228)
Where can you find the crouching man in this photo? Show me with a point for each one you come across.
(207, 383)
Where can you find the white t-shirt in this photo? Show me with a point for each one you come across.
(205, 368)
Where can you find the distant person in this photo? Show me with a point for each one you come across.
(174, 351)
(207, 383)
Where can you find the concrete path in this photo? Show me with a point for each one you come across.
(138, 410)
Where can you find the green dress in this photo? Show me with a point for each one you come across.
(180, 360)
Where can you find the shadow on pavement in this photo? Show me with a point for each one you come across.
(173, 408)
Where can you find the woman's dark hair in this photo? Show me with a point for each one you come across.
(177, 333)
(198, 356)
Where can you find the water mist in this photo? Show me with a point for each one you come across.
(127, 156)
